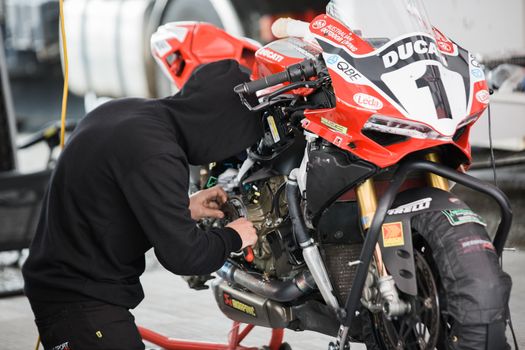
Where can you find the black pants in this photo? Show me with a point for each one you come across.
(87, 325)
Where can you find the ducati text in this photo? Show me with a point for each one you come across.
(406, 50)
(270, 54)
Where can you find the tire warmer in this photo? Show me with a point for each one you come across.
(476, 289)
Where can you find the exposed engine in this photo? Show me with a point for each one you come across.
(265, 206)
(265, 290)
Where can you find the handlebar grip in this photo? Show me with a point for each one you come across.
(263, 83)
(294, 73)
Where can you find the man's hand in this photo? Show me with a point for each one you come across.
(246, 230)
(206, 203)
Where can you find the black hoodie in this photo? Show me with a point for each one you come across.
(120, 187)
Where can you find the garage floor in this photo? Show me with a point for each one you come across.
(171, 308)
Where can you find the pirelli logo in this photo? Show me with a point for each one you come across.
(238, 305)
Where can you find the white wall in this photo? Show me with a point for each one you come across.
(481, 26)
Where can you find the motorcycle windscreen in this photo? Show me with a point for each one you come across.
(379, 21)
(412, 65)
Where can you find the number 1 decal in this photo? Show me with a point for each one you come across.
(429, 93)
(431, 80)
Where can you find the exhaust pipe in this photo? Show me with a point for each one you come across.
(283, 291)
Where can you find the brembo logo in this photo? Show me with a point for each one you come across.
(274, 56)
(409, 49)
(411, 207)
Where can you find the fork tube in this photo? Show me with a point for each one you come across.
(367, 201)
(436, 180)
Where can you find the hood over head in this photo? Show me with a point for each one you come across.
(211, 122)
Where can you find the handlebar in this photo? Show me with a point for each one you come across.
(297, 72)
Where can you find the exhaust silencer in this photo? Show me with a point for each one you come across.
(250, 308)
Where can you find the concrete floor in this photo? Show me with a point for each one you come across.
(171, 308)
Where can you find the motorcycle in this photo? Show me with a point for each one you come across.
(367, 112)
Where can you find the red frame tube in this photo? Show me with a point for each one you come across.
(235, 339)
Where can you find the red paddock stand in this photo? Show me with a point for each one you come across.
(236, 336)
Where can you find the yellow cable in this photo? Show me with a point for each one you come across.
(66, 76)
(64, 96)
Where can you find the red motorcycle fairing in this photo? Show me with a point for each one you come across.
(362, 98)
(180, 47)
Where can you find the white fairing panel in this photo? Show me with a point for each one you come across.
(408, 84)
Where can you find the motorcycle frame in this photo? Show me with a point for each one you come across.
(435, 171)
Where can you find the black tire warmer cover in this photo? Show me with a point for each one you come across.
(476, 288)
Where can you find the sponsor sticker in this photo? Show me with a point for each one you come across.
(348, 70)
(477, 73)
(273, 129)
(238, 305)
(162, 47)
(368, 101)
(320, 23)
(332, 59)
(411, 207)
(483, 96)
(393, 234)
(445, 45)
(473, 61)
(338, 140)
(462, 216)
(274, 56)
(475, 244)
(338, 35)
(334, 126)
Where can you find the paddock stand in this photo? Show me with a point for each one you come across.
(236, 336)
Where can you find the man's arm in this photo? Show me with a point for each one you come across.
(157, 192)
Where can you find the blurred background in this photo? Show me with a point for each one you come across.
(109, 56)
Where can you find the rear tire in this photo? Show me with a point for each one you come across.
(458, 269)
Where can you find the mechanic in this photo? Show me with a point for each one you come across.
(120, 187)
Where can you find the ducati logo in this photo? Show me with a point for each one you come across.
(409, 49)
(274, 56)
(411, 207)
(320, 23)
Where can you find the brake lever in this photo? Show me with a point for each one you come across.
(268, 100)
